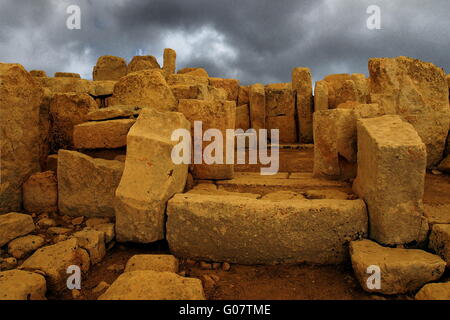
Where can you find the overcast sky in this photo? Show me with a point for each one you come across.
(252, 40)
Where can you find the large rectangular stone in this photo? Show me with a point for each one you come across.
(86, 186)
(257, 98)
(390, 178)
(249, 231)
(150, 176)
(219, 115)
(231, 86)
(302, 84)
(102, 134)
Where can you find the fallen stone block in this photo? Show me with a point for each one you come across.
(54, 260)
(219, 115)
(144, 88)
(93, 242)
(402, 270)
(434, 291)
(391, 177)
(23, 246)
(139, 205)
(102, 88)
(22, 285)
(40, 193)
(108, 134)
(14, 225)
(153, 262)
(152, 285)
(417, 91)
(250, 231)
(86, 186)
(20, 101)
(440, 241)
(107, 229)
(109, 68)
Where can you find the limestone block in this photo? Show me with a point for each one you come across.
(154, 262)
(14, 225)
(40, 193)
(302, 84)
(108, 134)
(22, 285)
(257, 106)
(109, 68)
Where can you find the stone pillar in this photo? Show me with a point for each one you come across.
(257, 98)
(391, 175)
(321, 96)
(302, 84)
(170, 61)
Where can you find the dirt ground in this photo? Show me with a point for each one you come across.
(283, 282)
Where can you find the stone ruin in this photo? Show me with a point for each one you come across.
(87, 164)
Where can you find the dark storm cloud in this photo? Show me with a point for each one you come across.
(253, 40)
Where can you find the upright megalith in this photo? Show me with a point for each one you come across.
(170, 61)
(216, 115)
(390, 178)
(321, 96)
(109, 68)
(417, 91)
(302, 84)
(150, 176)
(257, 104)
(146, 88)
(20, 100)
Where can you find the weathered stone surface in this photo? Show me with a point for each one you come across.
(251, 231)
(94, 242)
(243, 95)
(283, 196)
(22, 285)
(231, 86)
(219, 115)
(67, 75)
(139, 63)
(326, 194)
(444, 166)
(198, 72)
(286, 126)
(19, 133)
(170, 61)
(437, 214)
(416, 91)
(335, 82)
(154, 262)
(346, 93)
(139, 206)
(175, 79)
(302, 84)
(243, 117)
(40, 193)
(144, 88)
(152, 285)
(321, 96)
(217, 94)
(38, 73)
(108, 134)
(434, 291)
(102, 88)
(66, 111)
(362, 87)
(54, 260)
(391, 175)
(22, 246)
(109, 68)
(402, 270)
(86, 186)
(14, 225)
(191, 91)
(257, 106)
(65, 85)
(280, 109)
(113, 112)
(107, 229)
(440, 241)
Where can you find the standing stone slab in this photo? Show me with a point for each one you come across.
(417, 91)
(302, 84)
(402, 270)
(86, 186)
(280, 109)
(257, 98)
(170, 61)
(390, 178)
(219, 115)
(250, 231)
(242, 117)
(321, 96)
(14, 225)
(150, 177)
(19, 133)
(102, 134)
